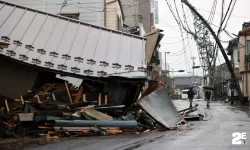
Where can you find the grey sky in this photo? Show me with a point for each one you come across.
(172, 41)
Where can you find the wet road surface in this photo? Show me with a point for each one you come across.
(213, 134)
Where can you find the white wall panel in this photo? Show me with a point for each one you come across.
(91, 11)
(70, 46)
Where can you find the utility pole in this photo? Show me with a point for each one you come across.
(136, 12)
(193, 58)
(165, 60)
(167, 71)
(229, 65)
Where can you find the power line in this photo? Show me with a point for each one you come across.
(220, 14)
(173, 42)
(182, 50)
(223, 19)
(230, 14)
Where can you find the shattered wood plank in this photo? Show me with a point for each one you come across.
(53, 96)
(106, 99)
(96, 114)
(77, 114)
(100, 99)
(48, 87)
(79, 94)
(84, 98)
(67, 88)
(7, 106)
(22, 100)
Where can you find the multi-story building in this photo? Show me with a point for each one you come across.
(244, 58)
(105, 13)
(233, 51)
(222, 80)
(140, 12)
(183, 82)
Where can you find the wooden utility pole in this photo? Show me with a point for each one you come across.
(229, 65)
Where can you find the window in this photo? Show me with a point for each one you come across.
(71, 15)
(248, 47)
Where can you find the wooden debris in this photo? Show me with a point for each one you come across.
(84, 98)
(106, 99)
(53, 137)
(100, 99)
(95, 115)
(7, 107)
(67, 88)
(79, 94)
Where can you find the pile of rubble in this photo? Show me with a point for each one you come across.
(46, 112)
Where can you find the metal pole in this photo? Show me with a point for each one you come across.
(229, 65)
(165, 61)
(166, 76)
(193, 70)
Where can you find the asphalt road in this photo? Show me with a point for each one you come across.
(214, 134)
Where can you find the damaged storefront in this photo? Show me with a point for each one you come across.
(62, 77)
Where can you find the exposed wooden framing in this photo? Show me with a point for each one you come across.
(38, 98)
(7, 106)
(106, 99)
(67, 88)
(84, 97)
(18, 100)
(79, 94)
(22, 100)
(100, 99)
(53, 96)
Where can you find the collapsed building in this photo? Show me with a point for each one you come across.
(49, 59)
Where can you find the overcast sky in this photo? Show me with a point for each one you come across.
(172, 41)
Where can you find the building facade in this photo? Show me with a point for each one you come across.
(182, 82)
(105, 13)
(244, 53)
(222, 80)
(139, 12)
(233, 52)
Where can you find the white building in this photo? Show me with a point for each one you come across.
(106, 13)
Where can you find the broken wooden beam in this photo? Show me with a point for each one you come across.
(67, 88)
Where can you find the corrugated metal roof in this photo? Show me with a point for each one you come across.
(70, 46)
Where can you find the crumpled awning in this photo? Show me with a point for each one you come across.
(161, 108)
(153, 39)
